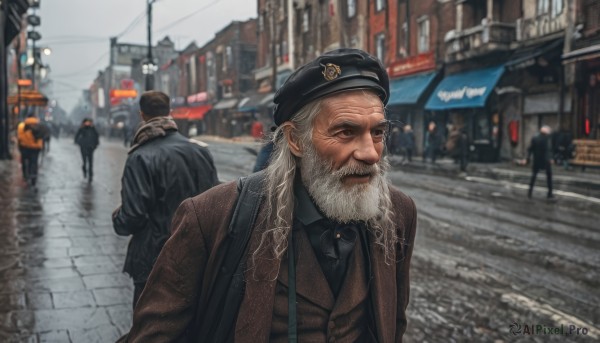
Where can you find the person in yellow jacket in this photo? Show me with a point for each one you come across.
(30, 136)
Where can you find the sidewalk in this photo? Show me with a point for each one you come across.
(60, 260)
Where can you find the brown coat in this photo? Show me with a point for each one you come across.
(188, 261)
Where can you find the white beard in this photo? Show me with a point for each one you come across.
(340, 202)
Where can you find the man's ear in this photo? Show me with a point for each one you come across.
(292, 139)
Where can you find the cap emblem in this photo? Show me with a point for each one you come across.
(331, 71)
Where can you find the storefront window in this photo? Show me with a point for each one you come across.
(482, 129)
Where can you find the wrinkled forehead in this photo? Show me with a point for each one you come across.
(358, 98)
(353, 107)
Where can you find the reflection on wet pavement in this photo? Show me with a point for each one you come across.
(60, 261)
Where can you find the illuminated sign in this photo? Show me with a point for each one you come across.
(199, 97)
(24, 82)
(123, 93)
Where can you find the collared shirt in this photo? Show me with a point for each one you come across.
(332, 242)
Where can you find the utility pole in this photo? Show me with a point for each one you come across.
(4, 122)
(273, 45)
(149, 67)
(567, 71)
(291, 46)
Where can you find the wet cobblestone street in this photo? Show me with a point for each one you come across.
(60, 261)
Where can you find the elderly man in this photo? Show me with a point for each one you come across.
(329, 254)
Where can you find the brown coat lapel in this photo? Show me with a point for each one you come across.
(383, 294)
(310, 280)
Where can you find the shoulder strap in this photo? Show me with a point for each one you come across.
(227, 290)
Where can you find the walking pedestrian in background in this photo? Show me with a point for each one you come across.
(407, 143)
(541, 149)
(394, 142)
(30, 134)
(433, 142)
(162, 169)
(87, 139)
(457, 146)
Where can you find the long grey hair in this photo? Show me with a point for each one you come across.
(280, 175)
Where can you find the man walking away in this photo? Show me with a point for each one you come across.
(163, 168)
(87, 139)
(541, 150)
(30, 134)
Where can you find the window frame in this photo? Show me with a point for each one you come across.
(380, 5)
(348, 7)
(421, 23)
(305, 19)
(380, 39)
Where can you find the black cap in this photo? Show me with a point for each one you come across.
(334, 71)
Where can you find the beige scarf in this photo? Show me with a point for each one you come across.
(152, 129)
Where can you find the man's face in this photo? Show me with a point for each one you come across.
(349, 130)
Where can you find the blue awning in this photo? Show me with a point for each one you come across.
(408, 90)
(464, 90)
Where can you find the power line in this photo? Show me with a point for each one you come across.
(60, 37)
(66, 84)
(71, 42)
(86, 68)
(180, 20)
(133, 24)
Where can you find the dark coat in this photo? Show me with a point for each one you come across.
(433, 141)
(87, 137)
(263, 157)
(158, 176)
(407, 140)
(541, 149)
(175, 294)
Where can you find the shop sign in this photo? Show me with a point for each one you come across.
(199, 97)
(459, 94)
(178, 101)
(123, 93)
(412, 65)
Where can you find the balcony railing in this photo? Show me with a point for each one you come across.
(479, 40)
(540, 26)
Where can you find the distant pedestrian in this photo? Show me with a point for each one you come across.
(87, 139)
(257, 130)
(47, 137)
(407, 143)
(163, 168)
(30, 134)
(393, 143)
(433, 142)
(541, 149)
(457, 146)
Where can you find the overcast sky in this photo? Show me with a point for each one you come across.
(78, 32)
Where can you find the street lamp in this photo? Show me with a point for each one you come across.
(149, 68)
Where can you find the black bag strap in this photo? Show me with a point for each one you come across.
(227, 291)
